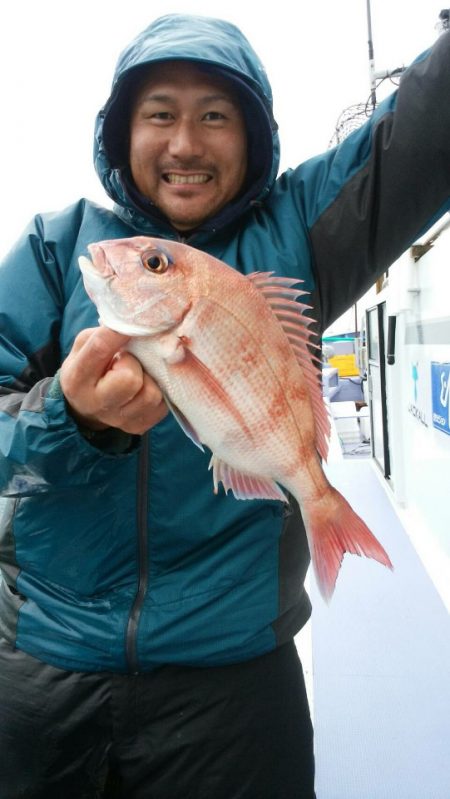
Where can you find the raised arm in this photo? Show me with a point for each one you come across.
(368, 200)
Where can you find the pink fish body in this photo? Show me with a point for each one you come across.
(232, 354)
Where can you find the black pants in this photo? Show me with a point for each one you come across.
(233, 732)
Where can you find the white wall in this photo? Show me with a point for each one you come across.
(418, 293)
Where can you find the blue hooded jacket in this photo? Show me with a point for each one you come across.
(115, 553)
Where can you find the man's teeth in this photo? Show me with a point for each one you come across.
(173, 178)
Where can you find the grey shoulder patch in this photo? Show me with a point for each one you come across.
(12, 401)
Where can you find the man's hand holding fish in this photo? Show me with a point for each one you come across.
(105, 386)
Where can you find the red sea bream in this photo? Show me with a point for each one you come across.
(232, 355)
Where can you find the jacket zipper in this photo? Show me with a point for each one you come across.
(143, 563)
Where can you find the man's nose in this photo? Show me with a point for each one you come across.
(185, 140)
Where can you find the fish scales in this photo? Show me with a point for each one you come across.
(254, 383)
(232, 355)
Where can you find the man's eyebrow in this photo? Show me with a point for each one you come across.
(156, 97)
(213, 98)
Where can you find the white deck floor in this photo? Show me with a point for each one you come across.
(377, 659)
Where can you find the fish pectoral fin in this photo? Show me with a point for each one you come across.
(171, 349)
(184, 423)
(209, 383)
(242, 484)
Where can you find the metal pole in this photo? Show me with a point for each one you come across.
(373, 96)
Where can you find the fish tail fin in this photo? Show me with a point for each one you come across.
(330, 536)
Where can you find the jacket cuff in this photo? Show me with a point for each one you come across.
(111, 440)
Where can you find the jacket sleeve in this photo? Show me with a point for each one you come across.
(41, 448)
(370, 198)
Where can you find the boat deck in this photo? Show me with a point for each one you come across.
(377, 662)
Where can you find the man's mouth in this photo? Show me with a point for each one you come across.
(175, 178)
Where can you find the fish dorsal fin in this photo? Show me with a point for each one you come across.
(283, 301)
(243, 485)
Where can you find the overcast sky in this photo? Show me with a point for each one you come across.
(57, 61)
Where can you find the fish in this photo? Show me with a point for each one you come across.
(235, 359)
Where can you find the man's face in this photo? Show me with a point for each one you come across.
(188, 143)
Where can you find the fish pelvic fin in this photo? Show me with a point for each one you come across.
(243, 485)
(331, 536)
(184, 423)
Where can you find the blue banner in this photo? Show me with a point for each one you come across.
(440, 383)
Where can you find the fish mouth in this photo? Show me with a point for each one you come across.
(112, 312)
(94, 279)
(180, 179)
(91, 270)
(100, 263)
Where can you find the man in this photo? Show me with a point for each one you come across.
(147, 625)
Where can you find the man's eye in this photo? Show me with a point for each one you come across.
(157, 116)
(212, 116)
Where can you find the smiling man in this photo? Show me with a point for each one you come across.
(147, 625)
(188, 143)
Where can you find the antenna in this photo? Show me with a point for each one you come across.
(377, 76)
(355, 115)
(373, 95)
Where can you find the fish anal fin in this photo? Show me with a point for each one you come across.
(243, 485)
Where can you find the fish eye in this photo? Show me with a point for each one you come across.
(155, 261)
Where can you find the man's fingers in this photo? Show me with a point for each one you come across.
(91, 355)
(93, 351)
(142, 390)
(122, 382)
(145, 409)
(84, 368)
(81, 338)
(107, 387)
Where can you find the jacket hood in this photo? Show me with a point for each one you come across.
(221, 49)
